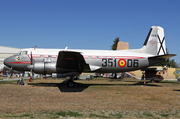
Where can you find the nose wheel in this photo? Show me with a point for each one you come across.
(20, 82)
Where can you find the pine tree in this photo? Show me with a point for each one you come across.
(114, 46)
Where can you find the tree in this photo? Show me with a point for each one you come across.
(173, 64)
(169, 63)
(114, 46)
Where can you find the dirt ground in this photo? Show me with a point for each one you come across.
(97, 98)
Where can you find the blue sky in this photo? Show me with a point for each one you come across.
(87, 24)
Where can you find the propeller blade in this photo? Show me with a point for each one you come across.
(31, 59)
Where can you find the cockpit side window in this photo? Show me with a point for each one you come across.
(22, 53)
(19, 53)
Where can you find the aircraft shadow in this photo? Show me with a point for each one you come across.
(147, 84)
(79, 87)
(137, 83)
(177, 90)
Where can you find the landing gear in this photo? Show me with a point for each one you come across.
(76, 78)
(152, 81)
(115, 76)
(20, 81)
(155, 80)
(31, 76)
(70, 83)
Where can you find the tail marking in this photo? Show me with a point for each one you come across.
(161, 45)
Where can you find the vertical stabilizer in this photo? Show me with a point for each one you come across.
(155, 42)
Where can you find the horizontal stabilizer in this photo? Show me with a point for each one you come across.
(153, 69)
(166, 56)
(93, 68)
(147, 68)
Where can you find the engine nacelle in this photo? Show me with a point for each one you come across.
(41, 67)
(44, 67)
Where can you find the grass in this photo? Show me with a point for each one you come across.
(94, 114)
(170, 82)
(98, 98)
(118, 115)
(20, 116)
(165, 115)
(69, 113)
(7, 82)
(15, 81)
(148, 114)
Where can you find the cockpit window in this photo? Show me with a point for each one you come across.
(19, 53)
(22, 53)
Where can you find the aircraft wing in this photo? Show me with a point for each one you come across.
(72, 61)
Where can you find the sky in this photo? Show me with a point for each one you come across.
(87, 24)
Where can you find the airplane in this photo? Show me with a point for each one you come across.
(70, 62)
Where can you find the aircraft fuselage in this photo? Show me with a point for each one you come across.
(103, 61)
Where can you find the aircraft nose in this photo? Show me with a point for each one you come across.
(8, 61)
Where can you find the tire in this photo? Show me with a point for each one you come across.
(70, 84)
(152, 81)
(20, 82)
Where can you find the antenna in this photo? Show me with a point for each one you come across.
(35, 47)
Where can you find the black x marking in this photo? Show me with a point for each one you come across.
(161, 45)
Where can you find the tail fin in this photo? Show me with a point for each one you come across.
(155, 42)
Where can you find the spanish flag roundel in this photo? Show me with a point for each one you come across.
(122, 62)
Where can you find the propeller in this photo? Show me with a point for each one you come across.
(44, 71)
(31, 59)
(31, 72)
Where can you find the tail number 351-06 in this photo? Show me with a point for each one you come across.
(121, 62)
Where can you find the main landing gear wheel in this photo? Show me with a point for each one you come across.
(70, 84)
(20, 82)
(152, 81)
